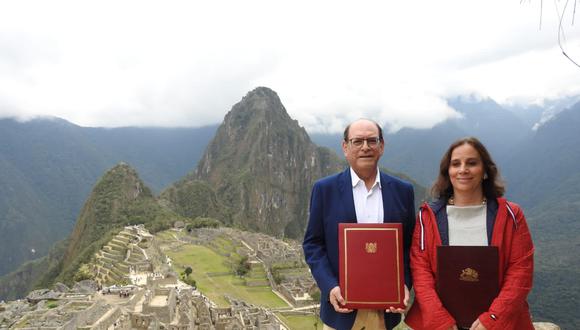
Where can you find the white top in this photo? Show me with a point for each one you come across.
(467, 225)
(368, 204)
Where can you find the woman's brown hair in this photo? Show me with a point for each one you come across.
(493, 185)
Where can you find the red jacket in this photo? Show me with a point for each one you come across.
(509, 309)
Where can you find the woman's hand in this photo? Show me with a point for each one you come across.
(477, 325)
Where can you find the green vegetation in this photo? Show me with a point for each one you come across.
(201, 222)
(305, 322)
(315, 296)
(214, 277)
(185, 277)
(243, 266)
(301, 322)
(27, 277)
(282, 269)
(188, 271)
(278, 277)
(556, 273)
(83, 273)
(118, 199)
(47, 169)
(48, 166)
(195, 199)
(51, 303)
(165, 235)
(225, 247)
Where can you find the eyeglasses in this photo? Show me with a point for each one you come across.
(372, 142)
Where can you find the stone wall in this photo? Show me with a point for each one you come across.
(165, 310)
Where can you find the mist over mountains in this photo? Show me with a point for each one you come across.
(538, 159)
(48, 167)
(259, 164)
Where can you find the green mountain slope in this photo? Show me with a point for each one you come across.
(119, 198)
(48, 166)
(544, 177)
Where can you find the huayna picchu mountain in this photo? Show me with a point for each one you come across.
(257, 171)
(256, 174)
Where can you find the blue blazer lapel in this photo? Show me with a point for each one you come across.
(385, 192)
(346, 196)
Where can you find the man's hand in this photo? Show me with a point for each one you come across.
(477, 325)
(336, 300)
(405, 301)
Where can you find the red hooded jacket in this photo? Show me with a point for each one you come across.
(509, 309)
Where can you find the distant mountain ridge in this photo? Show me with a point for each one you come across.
(47, 168)
(118, 199)
(417, 152)
(540, 167)
(255, 174)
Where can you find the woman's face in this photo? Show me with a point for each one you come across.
(466, 170)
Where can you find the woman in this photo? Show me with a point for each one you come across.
(470, 210)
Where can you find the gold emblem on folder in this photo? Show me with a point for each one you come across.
(469, 275)
(371, 247)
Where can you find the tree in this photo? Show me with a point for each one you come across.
(243, 266)
(188, 271)
(190, 281)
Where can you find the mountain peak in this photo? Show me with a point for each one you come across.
(123, 181)
(260, 104)
(119, 197)
(257, 130)
(262, 91)
(260, 163)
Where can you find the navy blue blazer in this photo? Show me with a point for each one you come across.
(332, 202)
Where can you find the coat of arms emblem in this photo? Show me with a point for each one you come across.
(371, 247)
(469, 275)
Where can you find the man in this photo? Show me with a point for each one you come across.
(360, 194)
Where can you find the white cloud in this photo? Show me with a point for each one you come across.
(186, 63)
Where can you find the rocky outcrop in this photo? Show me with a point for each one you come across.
(86, 286)
(42, 294)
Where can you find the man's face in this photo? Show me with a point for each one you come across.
(365, 157)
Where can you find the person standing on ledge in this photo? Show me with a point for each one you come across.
(360, 194)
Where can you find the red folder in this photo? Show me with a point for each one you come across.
(467, 280)
(371, 265)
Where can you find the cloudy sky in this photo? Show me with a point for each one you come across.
(172, 63)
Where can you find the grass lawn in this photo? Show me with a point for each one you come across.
(165, 236)
(306, 322)
(224, 245)
(203, 261)
(300, 322)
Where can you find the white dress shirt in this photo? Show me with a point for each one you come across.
(368, 204)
